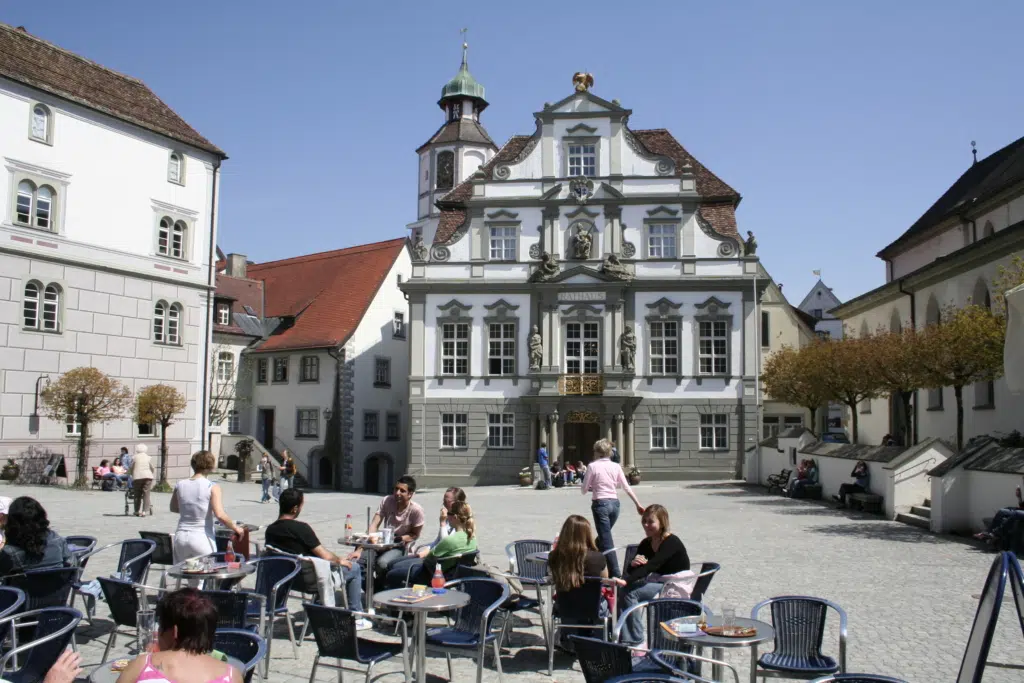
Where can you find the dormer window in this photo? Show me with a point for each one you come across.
(583, 160)
(223, 313)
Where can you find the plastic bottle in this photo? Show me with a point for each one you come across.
(229, 555)
(437, 583)
(348, 527)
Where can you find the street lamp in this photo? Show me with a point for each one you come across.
(327, 414)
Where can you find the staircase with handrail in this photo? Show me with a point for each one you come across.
(227, 448)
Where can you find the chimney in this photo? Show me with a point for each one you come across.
(236, 265)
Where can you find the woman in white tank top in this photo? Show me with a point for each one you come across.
(197, 501)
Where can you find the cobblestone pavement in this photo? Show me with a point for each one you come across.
(908, 593)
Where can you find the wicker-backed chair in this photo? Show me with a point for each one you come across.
(163, 555)
(473, 629)
(528, 574)
(274, 576)
(337, 637)
(665, 659)
(658, 611)
(83, 546)
(245, 646)
(585, 617)
(53, 629)
(12, 601)
(705, 573)
(123, 599)
(234, 609)
(132, 566)
(799, 623)
(45, 587)
(600, 660)
(857, 678)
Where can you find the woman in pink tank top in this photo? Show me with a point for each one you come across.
(188, 621)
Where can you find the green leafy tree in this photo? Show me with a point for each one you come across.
(965, 347)
(86, 396)
(794, 376)
(1007, 278)
(848, 374)
(896, 362)
(160, 404)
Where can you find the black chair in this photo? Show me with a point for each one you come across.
(274, 576)
(122, 598)
(706, 572)
(857, 678)
(132, 566)
(83, 545)
(334, 630)
(45, 587)
(528, 574)
(54, 628)
(12, 600)
(799, 623)
(691, 662)
(472, 631)
(600, 660)
(163, 554)
(245, 646)
(582, 615)
(658, 611)
(234, 608)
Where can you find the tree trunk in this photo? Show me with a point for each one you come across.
(82, 481)
(905, 397)
(163, 452)
(958, 392)
(853, 421)
(814, 424)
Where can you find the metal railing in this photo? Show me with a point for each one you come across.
(581, 385)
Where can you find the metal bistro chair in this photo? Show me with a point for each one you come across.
(306, 586)
(274, 576)
(587, 618)
(473, 629)
(704, 575)
(45, 587)
(692, 663)
(235, 607)
(132, 565)
(466, 559)
(334, 630)
(601, 661)
(528, 574)
(245, 646)
(11, 601)
(163, 555)
(83, 545)
(799, 623)
(123, 599)
(657, 611)
(54, 629)
(627, 560)
(857, 678)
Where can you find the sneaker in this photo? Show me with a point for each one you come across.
(363, 624)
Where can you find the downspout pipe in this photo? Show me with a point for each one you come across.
(212, 282)
(334, 424)
(913, 324)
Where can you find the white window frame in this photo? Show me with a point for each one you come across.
(147, 431)
(664, 432)
(223, 314)
(662, 240)
(234, 422)
(398, 325)
(262, 370)
(279, 362)
(28, 204)
(503, 242)
(172, 238)
(663, 335)
(393, 420)
(371, 418)
(167, 322)
(172, 157)
(309, 369)
(47, 137)
(576, 348)
(45, 304)
(581, 158)
(771, 425)
(501, 348)
(225, 367)
(381, 372)
(454, 430)
(304, 419)
(712, 357)
(455, 349)
(72, 428)
(501, 430)
(714, 432)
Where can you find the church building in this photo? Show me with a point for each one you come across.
(584, 281)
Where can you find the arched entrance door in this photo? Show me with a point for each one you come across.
(378, 473)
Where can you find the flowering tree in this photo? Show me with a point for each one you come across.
(895, 358)
(85, 396)
(848, 373)
(964, 348)
(793, 376)
(160, 404)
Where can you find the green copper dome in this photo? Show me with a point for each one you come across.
(463, 85)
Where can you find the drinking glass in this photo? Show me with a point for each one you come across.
(145, 620)
(728, 617)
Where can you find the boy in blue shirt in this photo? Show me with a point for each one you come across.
(542, 462)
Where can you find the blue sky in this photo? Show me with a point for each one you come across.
(839, 123)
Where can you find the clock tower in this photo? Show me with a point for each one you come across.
(459, 147)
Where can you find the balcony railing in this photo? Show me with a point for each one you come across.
(580, 385)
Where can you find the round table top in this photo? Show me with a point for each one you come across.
(765, 632)
(449, 600)
(220, 571)
(539, 558)
(363, 543)
(103, 674)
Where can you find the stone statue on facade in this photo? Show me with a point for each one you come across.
(627, 349)
(536, 349)
(419, 250)
(582, 242)
(547, 269)
(749, 244)
(614, 268)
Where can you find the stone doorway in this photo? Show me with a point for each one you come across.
(582, 430)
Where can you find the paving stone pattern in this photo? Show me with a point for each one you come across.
(908, 593)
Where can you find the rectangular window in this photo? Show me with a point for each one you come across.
(398, 326)
(310, 369)
(307, 422)
(766, 329)
(769, 426)
(262, 365)
(713, 347)
(664, 347)
(223, 314)
(146, 430)
(225, 367)
(234, 424)
(503, 243)
(501, 430)
(394, 432)
(453, 430)
(816, 313)
(280, 369)
(173, 318)
(371, 425)
(581, 348)
(71, 427)
(665, 432)
(31, 309)
(583, 160)
(501, 349)
(382, 372)
(661, 240)
(823, 335)
(714, 432)
(455, 349)
(23, 212)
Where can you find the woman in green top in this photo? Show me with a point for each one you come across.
(460, 541)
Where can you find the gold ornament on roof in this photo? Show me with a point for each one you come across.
(582, 81)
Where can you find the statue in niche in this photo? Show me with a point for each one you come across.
(614, 268)
(419, 250)
(749, 244)
(627, 349)
(547, 269)
(536, 349)
(581, 243)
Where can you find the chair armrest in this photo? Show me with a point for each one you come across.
(661, 654)
(380, 617)
(31, 644)
(622, 619)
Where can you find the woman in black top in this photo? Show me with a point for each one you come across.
(660, 553)
(575, 559)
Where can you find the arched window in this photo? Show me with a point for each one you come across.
(26, 195)
(44, 205)
(173, 324)
(445, 170)
(159, 314)
(41, 307)
(51, 308)
(34, 206)
(167, 323)
(175, 168)
(31, 307)
(988, 230)
(895, 323)
(225, 366)
(39, 125)
(170, 239)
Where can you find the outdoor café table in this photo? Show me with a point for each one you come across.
(444, 602)
(220, 572)
(103, 674)
(765, 632)
(371, 550)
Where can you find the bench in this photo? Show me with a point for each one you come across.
(807, 492)
(779, 481)
(867, 502)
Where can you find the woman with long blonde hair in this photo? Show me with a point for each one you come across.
(460, 541)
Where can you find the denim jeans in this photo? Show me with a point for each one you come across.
(633, 631)
(287, 482)
(266, 490)
(545, 471)
(354, 586)
(397, 573)
(606, 513)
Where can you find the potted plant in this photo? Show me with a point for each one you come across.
(10, 471)
(633, 476)
(526, 476)
(244, 448)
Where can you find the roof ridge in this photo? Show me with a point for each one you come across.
(322, 255)
(24, 32)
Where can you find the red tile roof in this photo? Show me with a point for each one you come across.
(241, 292)
(42, 65)
(327, 293)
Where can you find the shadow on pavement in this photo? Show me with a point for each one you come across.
(881, 531)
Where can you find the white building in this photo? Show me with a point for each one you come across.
(819, 304)
(783, 325)
(106, 242)
(951, 255)
(622, 251)
(318, 347)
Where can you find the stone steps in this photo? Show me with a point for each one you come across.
(922, 511)
(914, 520)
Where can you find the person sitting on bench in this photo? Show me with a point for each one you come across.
(861, 481)
(807, 475)
(999, 523)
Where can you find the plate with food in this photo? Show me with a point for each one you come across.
(120, 664)
(731, 631)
